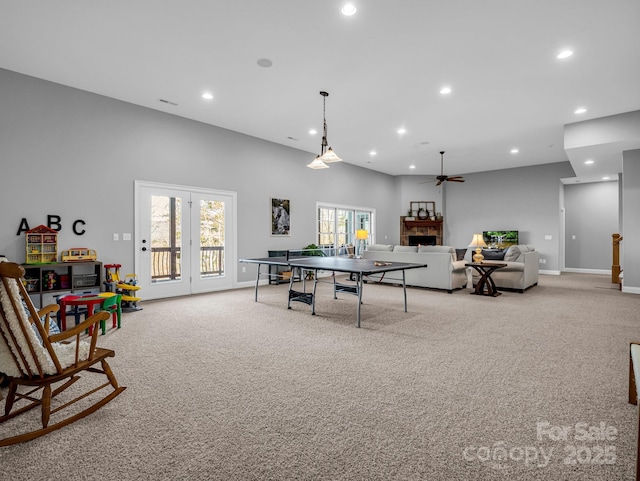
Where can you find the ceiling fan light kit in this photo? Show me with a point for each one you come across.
(327, 155)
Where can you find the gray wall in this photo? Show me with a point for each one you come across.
(631, 227)
(525, 199)
(591, 212)
(74, 154)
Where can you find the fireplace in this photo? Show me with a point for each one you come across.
(423, 240)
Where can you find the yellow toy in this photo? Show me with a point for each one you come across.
(79, 254)
(126, 288)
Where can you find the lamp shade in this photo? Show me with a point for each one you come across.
(330, 156)
(477, 241)
(362, 234)
(317, 164)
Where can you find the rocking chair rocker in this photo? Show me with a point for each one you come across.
(38, 366)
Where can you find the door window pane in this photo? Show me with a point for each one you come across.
(337, 229)
(166, 238)
(211, 238)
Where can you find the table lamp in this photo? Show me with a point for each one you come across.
(362, 235)
(478, 243)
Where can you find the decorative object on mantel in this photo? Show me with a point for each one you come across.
(326, 156)
(424, 209)
(409, 215)
(478, 243)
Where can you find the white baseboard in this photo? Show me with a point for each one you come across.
(588, 271)
(243, 284)
(549, 273)
(630, 290)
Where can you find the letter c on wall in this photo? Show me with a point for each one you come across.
(75, 227)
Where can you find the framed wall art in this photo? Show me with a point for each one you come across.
(280, 217)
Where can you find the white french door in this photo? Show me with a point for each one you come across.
(185, 240)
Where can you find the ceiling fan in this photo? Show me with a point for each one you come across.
(444, 178)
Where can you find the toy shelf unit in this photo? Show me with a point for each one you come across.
(42, 245)
(44, 282)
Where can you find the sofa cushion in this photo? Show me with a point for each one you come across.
(514, 252)
(493, 255)
(439, 249)
(405, 248)
(380, 247)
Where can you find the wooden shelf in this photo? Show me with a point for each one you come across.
(71, 277)
(422, 223)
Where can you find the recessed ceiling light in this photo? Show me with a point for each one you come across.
(565, 54)
(373, 153)
(412, 166)
(207, 96)
(402, 130)
(588, 162)
(514, 151)
(580, 110)
(313, 131)
(265, 62)
(605, 178)
(445, 90)
(349, 9)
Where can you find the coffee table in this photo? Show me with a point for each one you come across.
(486, 286)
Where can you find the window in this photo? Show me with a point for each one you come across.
(337, 227)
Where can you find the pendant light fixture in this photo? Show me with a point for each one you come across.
(327, 155)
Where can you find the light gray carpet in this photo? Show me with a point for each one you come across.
(222, 388)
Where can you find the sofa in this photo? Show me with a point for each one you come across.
(443, 271)
(521, 271)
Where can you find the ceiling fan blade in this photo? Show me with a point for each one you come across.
(454, 179)
(438, 183)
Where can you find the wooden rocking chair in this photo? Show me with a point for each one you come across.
(38, 366)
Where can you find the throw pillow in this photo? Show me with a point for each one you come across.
(460, 254)
(493, 255)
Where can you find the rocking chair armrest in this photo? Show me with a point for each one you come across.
(79, 328)
(48, 310)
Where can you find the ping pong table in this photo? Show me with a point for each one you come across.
(360, 268)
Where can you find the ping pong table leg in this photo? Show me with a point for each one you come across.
(335, 294)
(404, 288)
(258, 282)
(291, 287)
(313, 296)
(359, 284)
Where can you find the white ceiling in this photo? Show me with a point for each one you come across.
(383, 68)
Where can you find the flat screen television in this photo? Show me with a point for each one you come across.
(500, 239)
